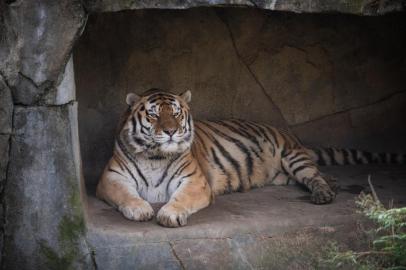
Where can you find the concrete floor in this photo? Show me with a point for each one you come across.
(269, 228)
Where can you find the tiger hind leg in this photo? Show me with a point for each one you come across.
(301, 167)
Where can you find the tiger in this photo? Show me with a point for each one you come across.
(161, 155)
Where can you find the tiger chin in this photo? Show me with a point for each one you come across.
(162, 156)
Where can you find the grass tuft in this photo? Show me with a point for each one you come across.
(388, 243)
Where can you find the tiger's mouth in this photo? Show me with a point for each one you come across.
(176, 138)
(172, 145)
(167, 141)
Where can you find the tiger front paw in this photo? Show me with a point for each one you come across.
(138, 210)
(171, 215)
(322, 195)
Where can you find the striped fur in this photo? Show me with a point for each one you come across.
(162, 155)
(334, 156)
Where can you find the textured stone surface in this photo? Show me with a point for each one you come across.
(346, 6)
(295, 83)
(313, 75)
(66, 90)
(45, 225)
(9, 47)
(8, 56)
(42, 202)
(4, 151)
(125, 254)
(6, 108)
(375, 127)
(4, 161)
(46, 31)
(268, 228)
(250, 64)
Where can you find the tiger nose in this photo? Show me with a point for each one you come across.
(170, 131)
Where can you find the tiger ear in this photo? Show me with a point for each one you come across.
(132, 98)
(186, 96)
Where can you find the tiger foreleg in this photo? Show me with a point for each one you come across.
(300, 167)
(193, 194)
(331, 181)
(120, 192)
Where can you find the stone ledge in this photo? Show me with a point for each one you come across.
(272, 228)
(308, 6)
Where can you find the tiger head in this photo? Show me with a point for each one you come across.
(158, 123)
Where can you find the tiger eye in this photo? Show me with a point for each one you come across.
(151, 115)
(151, 118)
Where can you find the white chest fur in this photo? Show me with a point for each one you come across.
(160, 183)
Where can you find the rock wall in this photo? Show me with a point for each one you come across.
(333, 80)
(42, 208)
(312, 6)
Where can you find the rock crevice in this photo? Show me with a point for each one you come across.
(380, 100)
(279, 118)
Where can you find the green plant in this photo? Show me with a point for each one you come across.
(388, 246)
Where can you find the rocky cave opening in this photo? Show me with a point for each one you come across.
(339, 75)
(332, 72)
(331, 79)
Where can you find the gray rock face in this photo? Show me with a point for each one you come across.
(9, 47)
(43, 197)
(380, 122)
(46, 32)
(353, 7)
(4, 150)
(6, 115)
(45, 221)
(65, 91)
(6, 108)
(44, 211)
